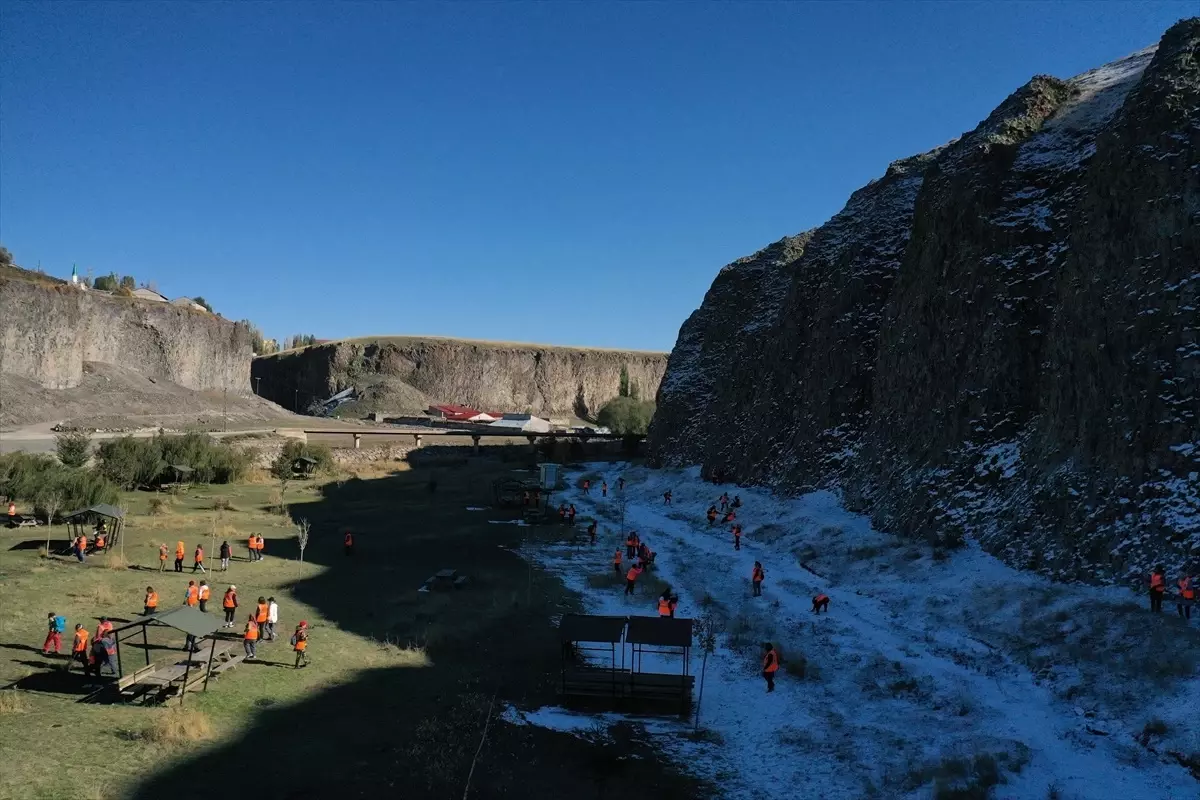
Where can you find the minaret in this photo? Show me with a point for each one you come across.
(74, 277)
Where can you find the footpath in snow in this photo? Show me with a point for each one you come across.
(930, 669)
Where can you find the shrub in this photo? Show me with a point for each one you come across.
(73, 448)
(130, 462)
(626, 415)
(178, 726)
(160, 505)
(13, 702)
(34, 478)
(293, 450)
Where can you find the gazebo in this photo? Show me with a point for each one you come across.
(181, 473)
(303, 466)
(199, 627)
(80, 522)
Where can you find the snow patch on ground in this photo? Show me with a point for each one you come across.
(921, 666)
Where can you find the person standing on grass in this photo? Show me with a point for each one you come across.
(229, 603)
(250, 637)
(757, 575)
(348, 541)
(1186, 595)
(179, 551)
(272, 618)
(204, 594)
(198, 562)
(79, 648)
(631, 578)
(770, 665)
(300, 644)
(55, 626)
(151, 602)
(104, 628)
(1158, 587)
(262, 546)
(162, 557)
(252, 546)
(226, 554)
(261, 614)
(191, 598)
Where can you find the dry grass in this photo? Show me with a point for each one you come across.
(161, 505)
(275, 502)
(257, 476)
(13, 702)
(388, 653)
(222, 504)
(43, 552)
(115, 561)
(178, 726)
(102, 596)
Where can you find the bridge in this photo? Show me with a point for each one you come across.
(418, 433)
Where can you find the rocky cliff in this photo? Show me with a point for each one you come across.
(406, 374)
(50, 329)
(996, 339)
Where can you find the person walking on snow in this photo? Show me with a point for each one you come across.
(724, 501)
(1186, 595)
(667, 497)
(770, 665)
(592, 532)
(620, 484)
(821, 603)
(617, 561)
(587, 486)
(712, 515)
(571, 512)
(631, 578)
(756, 578)
(1158, 587)
(737, 537)
(604, 488)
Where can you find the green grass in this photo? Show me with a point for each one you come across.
(400, 681)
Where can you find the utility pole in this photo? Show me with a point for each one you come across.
(258, 386)
(226, 409)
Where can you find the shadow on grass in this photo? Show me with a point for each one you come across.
(413, 731)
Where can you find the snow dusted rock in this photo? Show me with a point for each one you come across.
(996, 339)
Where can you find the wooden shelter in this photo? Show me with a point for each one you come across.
(86, 520)
(160, 681)
(304, 466)
(180, 473)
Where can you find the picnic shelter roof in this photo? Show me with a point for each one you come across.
(101, 510)
(662, 631)
(182, 469)
(182, 618)
(587, 628)
(305, 460)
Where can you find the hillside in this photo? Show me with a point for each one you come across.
(996, 339)
(400, 374)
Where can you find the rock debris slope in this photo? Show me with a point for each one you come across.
(997, 338)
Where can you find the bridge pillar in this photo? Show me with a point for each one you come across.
(532, 443)
(358, 441)
(417, 439)
(475, 442)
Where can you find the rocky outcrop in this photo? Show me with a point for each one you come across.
(49, 329)
(996, 339)
(406, 374)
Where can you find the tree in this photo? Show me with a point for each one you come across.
(623, 383)
(200, 301)
(107, 283)
(51, 500)
(706, 627)
(73, 448)
(127, 282)
(302, 529)
(282, 471)
(6, 258)
(627, 416)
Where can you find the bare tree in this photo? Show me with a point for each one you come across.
(52, 502)
(706, 627)
(302, 530)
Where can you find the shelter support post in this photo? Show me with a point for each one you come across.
(186, 671)
(146, 644)
(117, 644)
(211, 652)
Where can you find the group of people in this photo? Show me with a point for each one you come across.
(82, 547)
(566, 513)
(1185, 587)
(256, 545)
(94, 654)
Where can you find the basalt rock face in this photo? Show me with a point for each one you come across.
(997, 339)
(406, 374)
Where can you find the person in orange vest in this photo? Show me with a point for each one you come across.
(667, 497)
(103, 628)
(737, 537)
(250, 637)
(203, 593)
(664, 604)
(349, 543)
(770, 665)
(12, 514)
(81, 548)
(1186, 595)
(821, 603)
(617, 561)
(230, 603)
(162, 557)
(198, 562)
(226, 553)
(592, 532)
(151, 602)
(79, 648)
(1158, 588)
(587, 486)
(604, 488)
(757, 575)
(262, 614)
(100, 542)
(192, 596)
(631, 578)
(630, 546)
(262, 547)
(300, 644)
(562, 513)
(729, 517)
(571, 512)
(252, 545)
(724, 501)
(711, 514)
(179, 551)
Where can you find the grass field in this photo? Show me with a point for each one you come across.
(401, 682)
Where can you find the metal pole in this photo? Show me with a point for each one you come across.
(211, 651)
(146, 643)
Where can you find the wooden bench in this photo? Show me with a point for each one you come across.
(228, 665)
(135, 677)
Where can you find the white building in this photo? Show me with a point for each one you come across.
(522, 423)
(149, 294)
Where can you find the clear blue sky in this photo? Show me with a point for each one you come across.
(569, 173)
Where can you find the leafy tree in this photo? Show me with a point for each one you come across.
(626, 415)
(107, 283)
(623, 385)
(127, 282)
(73, 448)
(6, 258)
(200, 301)
(299, 340)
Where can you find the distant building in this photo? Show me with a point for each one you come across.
(149, 294)
(456, 413)
(523, 423)
(185, 302)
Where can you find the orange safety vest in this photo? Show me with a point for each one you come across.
(301, 639)
(253, 543)
(264, 612)
(757, 575)
(99, 542)
(1157, 582)
(179, 551)
(12, 509)
(230, 600)
(617, 557)
(205, 593)
(1185, 588)
(633, 574)
(162, 552)
(103, 628)
(251, 631)
(193, 595)
(152, 600)
(262, 545)
(664, 607)
(770, 662)
(349, 539)
(821, 598)
(79, 645)
(199, 554)
(83, 542)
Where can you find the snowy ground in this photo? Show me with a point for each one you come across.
(930, 669)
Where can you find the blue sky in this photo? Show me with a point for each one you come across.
(570, 173)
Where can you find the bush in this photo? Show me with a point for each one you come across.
(178, 726)
(131, 462)
(73, 448)
(626, 415)
(34, 478)
(293, 450)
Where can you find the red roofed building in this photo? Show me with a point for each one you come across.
(452, 412)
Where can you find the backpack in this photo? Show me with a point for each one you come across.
(295, 638)
(60, 624)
